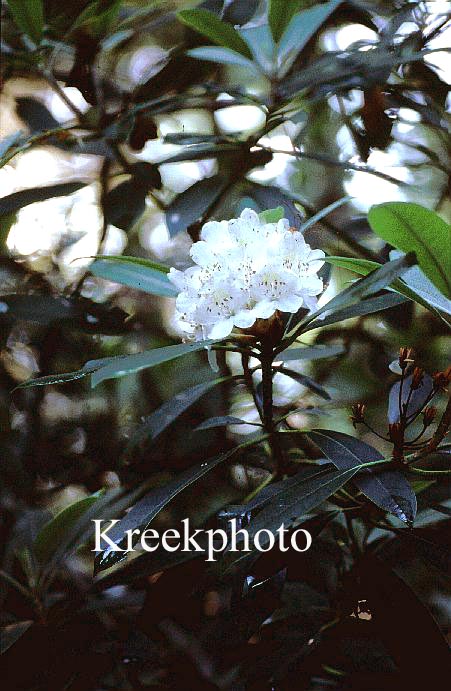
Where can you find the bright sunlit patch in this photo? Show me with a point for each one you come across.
(59, 109)
(442, 60)
(351, 33)
(179, 176)
(38, 228)
(279, 162)
(345, 36)
(240, 119)
(369, 189)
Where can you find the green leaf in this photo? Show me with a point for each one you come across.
(387, 489)
(17, 200)
(272, 215)
(262, 46)
(140, 274)
(413, 285)
(29, 17)
(54, 532)
(280, 13)
(224, 56)
(96, 19)
(322, 213)
(220, 421)
(360, 309)
(149, 506)
(413, 228)
(300, 30)
(118, 366)
(295, 497)
(191, 205)
(208, 24)
(305, 381)
(11, 633)
(128, 364)
(155, 423)
(312, 352)
(69, 312)
(372, 283)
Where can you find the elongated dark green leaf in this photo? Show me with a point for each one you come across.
(413, 228)
(29, 17)
(413, 400)
(62, 378)
(376, 280)
(295, 497)
(387, 489)
(125, 204)
(413, 285)
(224, 56)
(149, 506)
(305, 381)
(208, 24)
(302, 26)
(76, 312)
(368, 306)
(312, 352)
(110, 504)
(155, 423)
(280, 13)
(10, 634)
(372, 283)
(190, 206)
(118, 366)
(134, 274)
(198, 152)
(187, 138)
(127, 364)
(15, 201)
(220, 421)
(54, 532)
(322, 213)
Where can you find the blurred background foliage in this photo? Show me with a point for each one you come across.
(122, 131)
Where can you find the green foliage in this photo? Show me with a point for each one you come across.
(413, 288)
(316, 386)
(29, 17)
(52, 534)
(279, 15)
(412, 228)
(221, 33)
(140, 274)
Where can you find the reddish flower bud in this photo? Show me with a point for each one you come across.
(417, 378)
(429, 414)
(442, 379)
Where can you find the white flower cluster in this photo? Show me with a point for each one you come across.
(245, 269)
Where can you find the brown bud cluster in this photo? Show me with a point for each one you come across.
(358, 412)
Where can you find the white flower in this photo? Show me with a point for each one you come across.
(245, 269)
